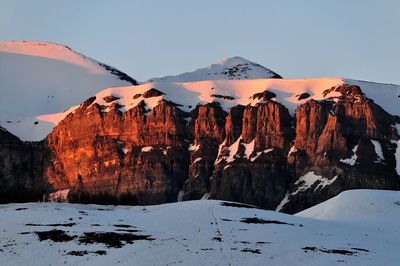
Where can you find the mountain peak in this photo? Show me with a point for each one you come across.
(234, 60)
(231, 68)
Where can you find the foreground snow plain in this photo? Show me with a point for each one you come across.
(358, 227)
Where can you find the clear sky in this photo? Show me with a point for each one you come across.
(356, 39)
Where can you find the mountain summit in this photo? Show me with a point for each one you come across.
(233, 68)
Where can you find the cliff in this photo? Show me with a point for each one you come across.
(143, 146)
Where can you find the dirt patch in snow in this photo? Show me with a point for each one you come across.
(112, 239)
(255, 251)
(86, 252)
(353, 251)
(255, 220)
(53, 225)
(128, 230)
(54, 235)
(237, 205)
(21, 209)
(123, 226)
(217, 238)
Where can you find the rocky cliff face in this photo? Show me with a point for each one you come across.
(22, 167)
(251, 164)
(113, 155)
(348, 143)
(256, 153)
(208, 127)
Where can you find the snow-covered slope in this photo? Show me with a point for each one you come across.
(233, 68)
(38, 78)
(341, 230)
(376, 206)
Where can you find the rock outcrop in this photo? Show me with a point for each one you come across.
(22, 167)
(251, 164)
(113, 155)
(348, 142)
(208, 127)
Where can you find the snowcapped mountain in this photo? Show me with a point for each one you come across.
(280, 144)
(358, 227)
(53, 79)
(38, 78)
(311, 138)
(233, 68)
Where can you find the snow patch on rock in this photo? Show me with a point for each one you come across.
(292, 150)
(197, 160)
(259, 153)
(306, 181)
(397, 156)
(232, 150)
(353, 159)
(59, 196)
(249, 148)
(206, 196)
(378, 151)
(194, 147)
(283, 202)
(181, 194)
(147, 149)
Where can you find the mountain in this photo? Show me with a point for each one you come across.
(233, 68)
(358, 227)
(280, 144)
(39, 78)
(274, 143)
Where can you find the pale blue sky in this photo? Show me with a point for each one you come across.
(297, 39)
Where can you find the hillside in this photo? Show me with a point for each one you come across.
(39, 78)
(204, 233)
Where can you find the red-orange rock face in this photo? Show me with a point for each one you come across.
(251, 166)
(137, 153)
(329, 134)
(208, 132)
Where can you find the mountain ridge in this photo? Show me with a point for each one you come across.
(271, 142)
